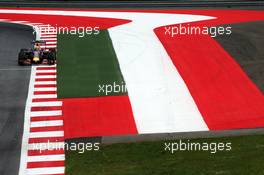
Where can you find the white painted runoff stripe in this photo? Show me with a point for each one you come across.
(45, 113)
(34, 23)
(46, 66)
(46, 31)
(51, 42)
(42, 25)
(46, 146)
(46, 123)
(56, 157)
(171, 108)
(46, 134)
(46, 76)
(5, 20)
(48, 36)
(160, 87)
(19, 21)
(50, 39)
(46, 104)
(46, 171)
(46, 71)
(47, 27)
(45, 96)
(45, 82)
(49, 46)
(46, 89)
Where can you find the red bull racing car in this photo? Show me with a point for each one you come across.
(38, 54)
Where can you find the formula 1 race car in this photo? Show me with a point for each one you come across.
(38, 54)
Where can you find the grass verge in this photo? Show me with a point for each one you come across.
(85, 63)
(150, 158)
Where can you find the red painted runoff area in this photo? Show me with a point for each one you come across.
(66, 21)
(98, 116)
(225, 96)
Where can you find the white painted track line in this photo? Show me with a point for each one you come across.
(45, 113)
(44, 30)
(46, 89)
(49, 39)
(51, 42)
(20, 22)
(48, 36)
(45, 96)
(50, 46)
(46, 146)
(48, 33)
(57, 157)
(46, 71)
(1, 19)
(44, 104)
(45, 82)
(46, 134)
(46, 171)
(46, 123)
(46, 76)
(34, 24)
(42, 25)
(47, 65)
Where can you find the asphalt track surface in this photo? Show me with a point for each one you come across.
(14, 81)
(245, 45)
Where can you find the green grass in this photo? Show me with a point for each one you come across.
(149, 158)
(84, 63)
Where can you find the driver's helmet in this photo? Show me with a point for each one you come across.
(36, 46)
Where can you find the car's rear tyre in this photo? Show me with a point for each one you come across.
(51, 62)
(23, 58)
(51, 58)
(53, 52)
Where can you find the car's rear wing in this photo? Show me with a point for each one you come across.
(38, 41)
